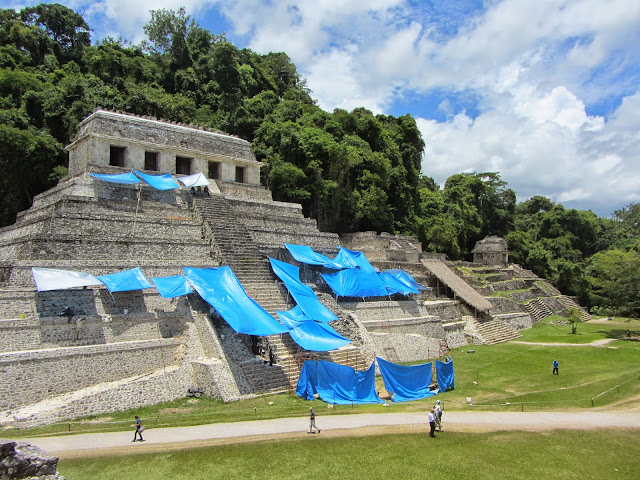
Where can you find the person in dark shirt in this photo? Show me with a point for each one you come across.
(312, 421)
(139, 429)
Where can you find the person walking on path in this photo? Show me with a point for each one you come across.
(139, 429)
(312, 421)
(438, 413)
(432, 422)
(555, 368)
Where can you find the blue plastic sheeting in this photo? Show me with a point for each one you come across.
(126, 280)
(351, 259)
(405, 278)
(444, 375)
(355, 282)
(337, 384)
(305, 254)
(316, 337)
(292, 318)
(302, 294)
(393, 285)
(170, 287)
(221, 289)
(308, 379)
(406, 383)
(117, 178)
(159, 182)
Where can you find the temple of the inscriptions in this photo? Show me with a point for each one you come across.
(91, 349)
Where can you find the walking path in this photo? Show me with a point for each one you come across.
(184, 437)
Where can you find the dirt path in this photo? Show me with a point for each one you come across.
(176, 438)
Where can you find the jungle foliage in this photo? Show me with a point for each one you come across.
(351, 171)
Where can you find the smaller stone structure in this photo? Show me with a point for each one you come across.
(491, 250)
(383, 246)
(22, 460)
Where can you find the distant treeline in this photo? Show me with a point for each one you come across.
(351, 171)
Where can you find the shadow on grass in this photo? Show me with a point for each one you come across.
(622, 334)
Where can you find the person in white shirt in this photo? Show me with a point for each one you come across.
(432, 422)
(438, 413)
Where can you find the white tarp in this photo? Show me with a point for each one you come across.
(195, 180)
(53, 279)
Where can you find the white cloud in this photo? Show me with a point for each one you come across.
(565, 161)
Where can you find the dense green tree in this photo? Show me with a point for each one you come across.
(29, 156)
(67, 29)
(614, 280)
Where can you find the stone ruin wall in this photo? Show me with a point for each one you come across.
(31, 376)
(103, 129)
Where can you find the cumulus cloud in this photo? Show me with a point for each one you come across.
(580, 160)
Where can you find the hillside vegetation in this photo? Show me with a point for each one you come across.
(352, 171)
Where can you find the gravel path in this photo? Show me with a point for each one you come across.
(163, 439)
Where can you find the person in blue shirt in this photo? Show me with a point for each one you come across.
(555, 368)
(139, 429)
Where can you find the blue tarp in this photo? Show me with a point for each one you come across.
(222, 290)
(406, 383)
(170, 287)
(444, 375)
(303, 294)
(117, 178)
(405, 278)
(316, 337)
(159, 182)
(126, 281)
(307, 381)
(393, 285)
(305, 254)
(355, 282)
(293, 317)
(337, 384)
(351, 258)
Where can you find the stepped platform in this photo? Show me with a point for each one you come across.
(495, 331)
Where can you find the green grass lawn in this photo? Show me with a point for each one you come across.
(469, 456)
(508, 376)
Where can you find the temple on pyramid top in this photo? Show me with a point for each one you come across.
(124, 141)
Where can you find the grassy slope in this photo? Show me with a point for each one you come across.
(557, 454)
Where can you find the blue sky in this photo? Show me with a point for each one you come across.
(546, 93)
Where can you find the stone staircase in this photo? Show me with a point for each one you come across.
(538, 309)
(495, 331)
(239, 251)
(570, 303)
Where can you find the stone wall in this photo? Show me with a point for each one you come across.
(137, 135)
(405, 348)
(517, 321)
(446, 310)
(505, 305)
(425, 326)
(32, 376)
(454, 334)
